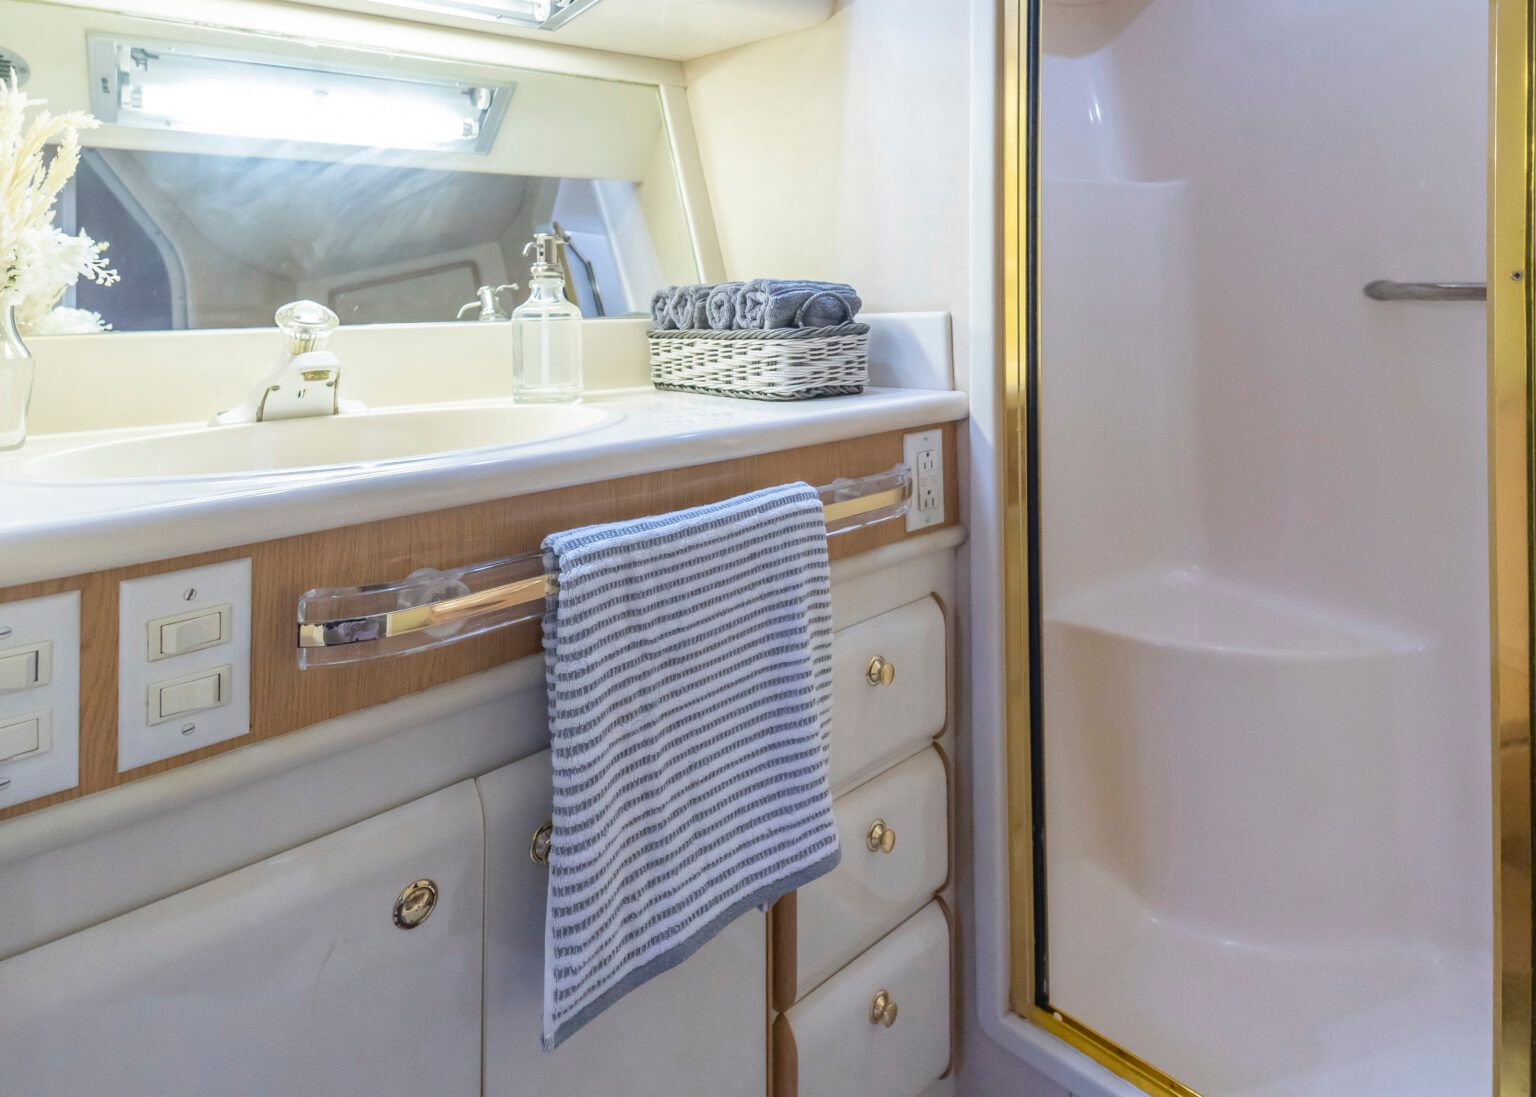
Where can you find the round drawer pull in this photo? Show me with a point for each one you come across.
(415, 904)
(881, 838)
(880, 672)
(538, 848)
(882, 1009)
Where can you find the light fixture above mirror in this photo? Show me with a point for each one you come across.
(164, 85)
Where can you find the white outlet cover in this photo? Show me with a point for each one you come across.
(140, 601)
(55, 618)
(911, 446)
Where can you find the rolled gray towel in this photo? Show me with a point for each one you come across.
(720, 306)
(786, 303)
(688, 307)
(659, 302)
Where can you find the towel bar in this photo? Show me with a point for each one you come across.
(1383, 290)
(431, 608)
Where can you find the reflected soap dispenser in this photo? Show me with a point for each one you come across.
(546, 332)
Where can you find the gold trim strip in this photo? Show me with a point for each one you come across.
(1137, 1071)
(1017, 207)
(1511, 268)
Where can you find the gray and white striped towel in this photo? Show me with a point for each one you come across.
(689, 667)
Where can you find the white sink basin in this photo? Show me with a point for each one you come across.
(302, 445)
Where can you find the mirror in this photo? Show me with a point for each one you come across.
(234, 172)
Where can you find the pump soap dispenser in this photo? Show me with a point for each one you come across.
(546, 332)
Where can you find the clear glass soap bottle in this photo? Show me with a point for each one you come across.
(546, 332)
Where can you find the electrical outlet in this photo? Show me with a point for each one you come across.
(924, 455)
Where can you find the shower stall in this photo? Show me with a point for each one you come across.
(1261, 769)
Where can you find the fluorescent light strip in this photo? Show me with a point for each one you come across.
(197, 89)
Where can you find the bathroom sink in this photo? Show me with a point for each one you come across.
(301, 445)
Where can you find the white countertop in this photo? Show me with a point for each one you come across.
(56, 529)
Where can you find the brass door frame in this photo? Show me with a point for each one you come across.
(1511, 452)
(1512, 474)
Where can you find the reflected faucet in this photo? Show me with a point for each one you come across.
(306, 382)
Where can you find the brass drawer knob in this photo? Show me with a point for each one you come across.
(880, 672)
(882, 1009)
(415, 904)
(881, 838)
(538, 848)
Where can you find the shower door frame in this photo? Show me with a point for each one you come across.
(1512, 540)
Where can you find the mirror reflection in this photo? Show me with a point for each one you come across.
(419, 181)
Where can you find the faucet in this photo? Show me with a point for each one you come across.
(306, 382)
(487, 302)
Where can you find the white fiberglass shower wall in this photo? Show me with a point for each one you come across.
(1262, 513)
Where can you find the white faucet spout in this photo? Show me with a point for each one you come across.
(306, 382)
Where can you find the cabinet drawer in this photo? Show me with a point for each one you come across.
(872, 891)
(877, 721)
(842, 1052)
(694, 1030)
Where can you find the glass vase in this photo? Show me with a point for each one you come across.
(16, 370)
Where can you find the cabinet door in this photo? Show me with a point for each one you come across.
(286, 977)
(698, 1030)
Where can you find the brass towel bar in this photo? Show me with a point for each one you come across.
(430, 608)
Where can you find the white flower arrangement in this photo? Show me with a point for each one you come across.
(39, 262)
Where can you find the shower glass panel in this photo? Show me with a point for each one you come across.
(1262, 670)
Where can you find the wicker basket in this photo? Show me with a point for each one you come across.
(773, 364)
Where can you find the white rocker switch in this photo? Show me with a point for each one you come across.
(187, 632)
(21, 736)
(26, 668)
(183, 696)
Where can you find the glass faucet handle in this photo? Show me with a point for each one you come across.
(305, 325)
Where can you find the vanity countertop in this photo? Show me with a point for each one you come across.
(55, 529)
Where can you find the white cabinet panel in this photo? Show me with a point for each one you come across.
(872, 891)
(843, 1052)
(878, 720)
(287, 977)
(694, 1031)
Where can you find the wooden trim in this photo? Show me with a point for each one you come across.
(285, 699)
(786, 1060)
(785, 973)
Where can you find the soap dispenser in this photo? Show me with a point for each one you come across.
(546, 332)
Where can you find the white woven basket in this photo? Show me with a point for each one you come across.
(771, 364)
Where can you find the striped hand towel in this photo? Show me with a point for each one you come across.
(689, 667)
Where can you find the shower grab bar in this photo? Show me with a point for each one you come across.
(430, 608)
(1427, 291)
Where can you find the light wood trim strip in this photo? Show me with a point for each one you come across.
(786, 959)
(786, 1060)
(285, 699)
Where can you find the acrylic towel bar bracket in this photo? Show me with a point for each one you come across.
(431, 608)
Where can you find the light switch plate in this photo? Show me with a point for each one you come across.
(53, 622)
(924, 455)
(174, 595)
